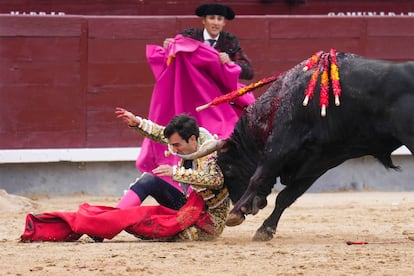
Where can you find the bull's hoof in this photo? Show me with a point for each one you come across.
(264, 234)
(234, 219)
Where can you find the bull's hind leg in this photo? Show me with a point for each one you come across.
(283, 200)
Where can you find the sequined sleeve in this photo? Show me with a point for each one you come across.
(151, 130)
(209, 176)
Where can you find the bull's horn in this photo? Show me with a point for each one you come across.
(206, 148)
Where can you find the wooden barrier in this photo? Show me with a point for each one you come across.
(185, 7)
(62, 76)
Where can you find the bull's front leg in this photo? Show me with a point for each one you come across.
(284, 199)
(253, 199)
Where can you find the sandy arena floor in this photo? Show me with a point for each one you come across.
(310, 240)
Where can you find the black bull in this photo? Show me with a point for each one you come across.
(279, 137)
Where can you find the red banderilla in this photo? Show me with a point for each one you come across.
(356, 242)
(364, 242)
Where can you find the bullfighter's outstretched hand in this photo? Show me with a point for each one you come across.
(127, 116)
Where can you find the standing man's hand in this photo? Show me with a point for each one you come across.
(127, 117)
(224, 58)
(166, 42)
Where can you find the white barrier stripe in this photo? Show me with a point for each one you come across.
(71, 155)
(87, 155)
(401, 151)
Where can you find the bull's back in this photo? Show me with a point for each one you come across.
(377, 99)
(374, 81)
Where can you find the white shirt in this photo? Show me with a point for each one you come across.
(207, 36)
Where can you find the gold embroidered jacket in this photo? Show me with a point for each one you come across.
(205, 178)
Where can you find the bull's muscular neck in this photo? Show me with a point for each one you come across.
(262, 126)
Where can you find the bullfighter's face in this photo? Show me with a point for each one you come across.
(181, 146)
(214, 24)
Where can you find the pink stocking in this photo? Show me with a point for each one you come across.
(130, 199)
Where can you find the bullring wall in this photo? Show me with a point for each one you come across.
(62, 76)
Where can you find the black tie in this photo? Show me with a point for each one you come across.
(211, 41)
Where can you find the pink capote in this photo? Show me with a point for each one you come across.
(189, 74)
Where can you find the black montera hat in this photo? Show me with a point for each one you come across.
(215, 9)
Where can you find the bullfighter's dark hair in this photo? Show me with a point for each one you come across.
(184, 125)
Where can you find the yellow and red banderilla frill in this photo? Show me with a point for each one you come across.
(320, 62)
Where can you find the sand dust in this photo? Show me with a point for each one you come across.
(310, 240)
